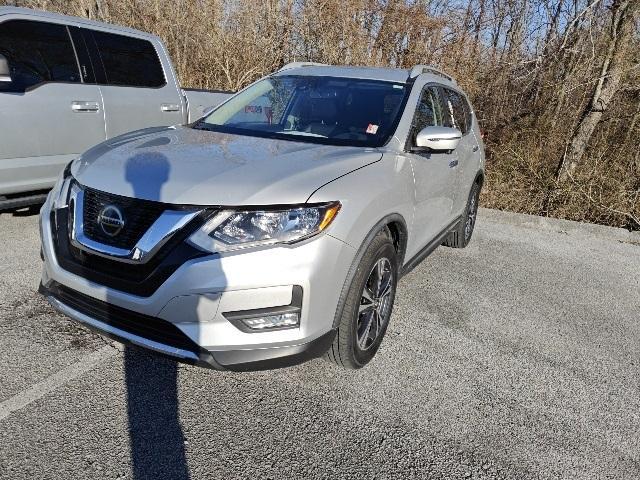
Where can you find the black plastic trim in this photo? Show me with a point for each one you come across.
(295, 306)
(274, 357)
(429, 248)
(138, 324)
(235, 360)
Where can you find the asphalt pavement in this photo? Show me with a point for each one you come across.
(517, 357)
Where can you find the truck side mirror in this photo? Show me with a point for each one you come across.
(437, 139)
(5, 73)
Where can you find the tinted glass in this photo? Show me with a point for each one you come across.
(458, 112)
(428, 112)
(129, 61)
(339, 111)
(37, 52)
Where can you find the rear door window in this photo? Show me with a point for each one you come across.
(457, 111)
(128, 61)
(37, 52)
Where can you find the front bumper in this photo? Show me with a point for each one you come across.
(114, 323)
(192, 302)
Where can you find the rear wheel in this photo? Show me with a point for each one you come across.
(367, 308)
(461, 236)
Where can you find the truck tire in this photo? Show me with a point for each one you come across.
(367, 308)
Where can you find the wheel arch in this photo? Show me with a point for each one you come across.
(397, 227)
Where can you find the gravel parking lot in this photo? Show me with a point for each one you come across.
(518, 357)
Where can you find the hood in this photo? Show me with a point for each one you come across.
(181, 165)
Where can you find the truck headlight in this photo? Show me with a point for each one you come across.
(235, 229)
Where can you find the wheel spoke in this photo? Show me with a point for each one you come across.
(364, 336)
(378, 320)
(367, 296)
(386, 290)
(379, 274)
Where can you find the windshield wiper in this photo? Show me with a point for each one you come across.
(200, 125)
(304, 134)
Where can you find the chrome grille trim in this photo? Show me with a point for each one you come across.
(165, 226)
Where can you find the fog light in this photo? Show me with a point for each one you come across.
(266, 322)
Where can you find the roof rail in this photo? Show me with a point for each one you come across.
(419, 69)
(291, 65)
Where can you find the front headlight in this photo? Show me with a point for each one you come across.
(235, 229)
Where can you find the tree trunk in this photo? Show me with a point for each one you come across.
(607, 86)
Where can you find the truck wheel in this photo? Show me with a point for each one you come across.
(367, 307)
(461, 236)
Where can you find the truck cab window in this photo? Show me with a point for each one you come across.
(37, 53)
(129, 61)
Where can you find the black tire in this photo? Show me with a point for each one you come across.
(354, 346)
(461, 236)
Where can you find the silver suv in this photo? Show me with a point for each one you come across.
(273, 230)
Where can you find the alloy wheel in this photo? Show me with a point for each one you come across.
(375, 303)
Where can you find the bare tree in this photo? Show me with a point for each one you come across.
(550, 80)
(607, 85)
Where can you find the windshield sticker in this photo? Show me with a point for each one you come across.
(372, 129)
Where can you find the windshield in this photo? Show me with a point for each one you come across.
(330, 110)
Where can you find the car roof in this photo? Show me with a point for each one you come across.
(85, 22)
(397, 75)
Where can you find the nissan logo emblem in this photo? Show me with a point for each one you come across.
(111, 220)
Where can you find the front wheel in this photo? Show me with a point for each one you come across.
(367, 308)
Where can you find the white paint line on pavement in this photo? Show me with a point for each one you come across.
(56, 380)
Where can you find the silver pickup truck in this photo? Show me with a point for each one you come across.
(68, 83)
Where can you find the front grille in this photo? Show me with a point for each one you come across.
(145, 326)
(138, 215)
(138, 279)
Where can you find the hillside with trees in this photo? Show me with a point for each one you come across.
(555, 83)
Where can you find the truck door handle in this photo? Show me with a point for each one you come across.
(84, 106)
(476, 148)
(453, 163)
(169, 107)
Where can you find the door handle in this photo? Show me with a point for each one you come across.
(169, 107)
(79, 106)
(476, 148)
(453, 163)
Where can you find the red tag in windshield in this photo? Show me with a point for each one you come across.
(372, 129)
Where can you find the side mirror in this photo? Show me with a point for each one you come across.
(5, 73)
(207, 111)
(437, 139)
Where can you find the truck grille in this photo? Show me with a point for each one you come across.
(138, 216)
